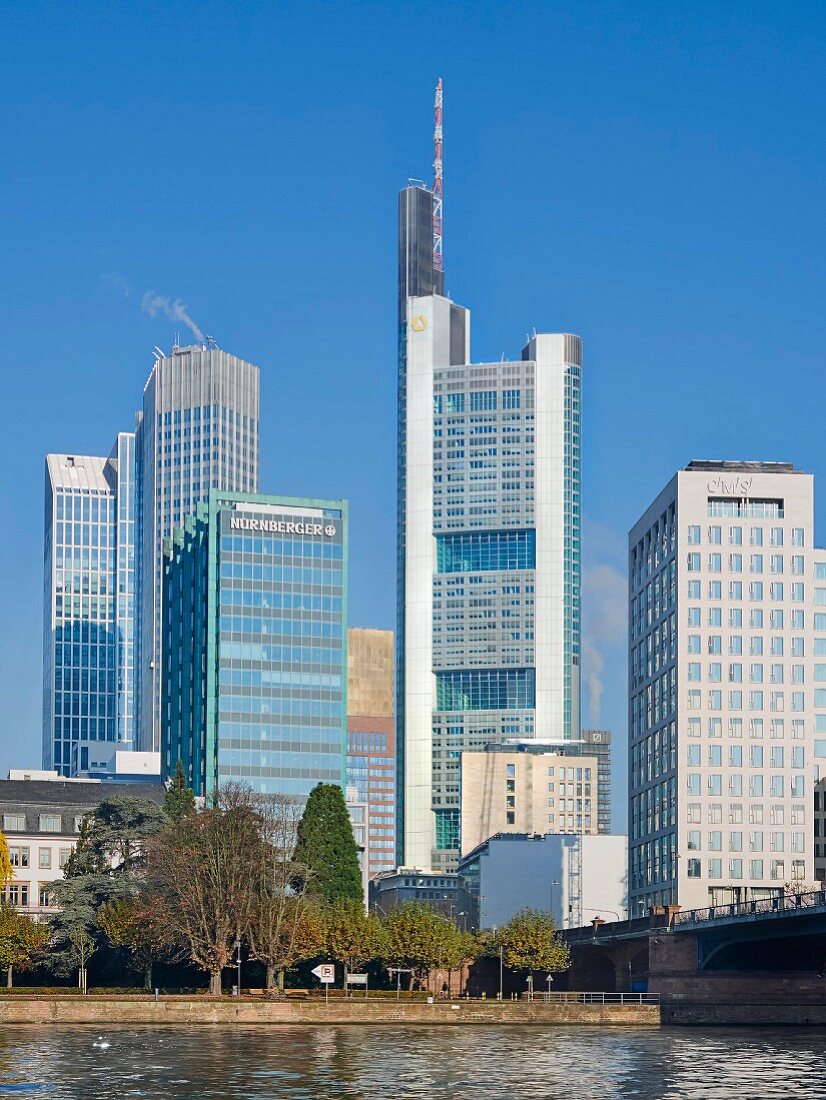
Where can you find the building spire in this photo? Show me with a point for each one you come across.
(437, 179)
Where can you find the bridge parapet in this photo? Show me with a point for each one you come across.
(781, 906)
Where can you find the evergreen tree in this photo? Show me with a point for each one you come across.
(179, 799)
(326, 850)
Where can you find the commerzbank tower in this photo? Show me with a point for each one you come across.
(489, 478)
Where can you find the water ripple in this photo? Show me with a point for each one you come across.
(413, 1063)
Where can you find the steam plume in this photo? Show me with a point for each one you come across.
(153, 304)
(594, 664)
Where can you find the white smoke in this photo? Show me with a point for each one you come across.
(593, 664)
(604, 626)
(153, 304)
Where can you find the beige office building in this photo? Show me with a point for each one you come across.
(727, 686)
(526, 792)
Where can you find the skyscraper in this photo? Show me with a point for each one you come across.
(488, 542)
(254, 682)
(727, 619)
(198, 430)
(88, 605)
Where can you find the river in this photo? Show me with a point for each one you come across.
(394, 1063)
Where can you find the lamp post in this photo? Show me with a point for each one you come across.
(554, 882)
(238, 962)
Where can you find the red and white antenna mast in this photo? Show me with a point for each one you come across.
(437, 179)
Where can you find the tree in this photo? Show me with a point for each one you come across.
(21, 940)
(326, 847)
(282, 929)
(351, 936)
(129, 923)
(6, 869)
(414, 937)
(529, 942)
(106, 864)
(179, 799)
(201, 876)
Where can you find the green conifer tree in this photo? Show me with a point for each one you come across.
(179, 799)
(326, 851)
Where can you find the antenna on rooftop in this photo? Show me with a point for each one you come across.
(437, 179)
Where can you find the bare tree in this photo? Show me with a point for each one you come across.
(203, 870)
(283, 927)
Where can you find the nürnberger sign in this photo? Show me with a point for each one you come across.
(281, 526)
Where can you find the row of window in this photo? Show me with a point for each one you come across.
(756, 841)
(47, 823)
(778, 787)
(714, 535)
(20, 856)
(777, 869)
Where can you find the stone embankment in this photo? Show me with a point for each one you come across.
(228, 1010)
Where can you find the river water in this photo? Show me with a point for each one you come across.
(445, 1063)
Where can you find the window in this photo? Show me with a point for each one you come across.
(18, 856)
(735, 868)
(693, 810)
(50, 823)
(693, 563)
(715, 868)
(756, 840)
(735, 563)
(14, 823)
(735, 536)
(693, 840)
(693, 868)
(44, 858)
(63, 857)
(694, 644)
(17, 894)
(755, 868)
(510, 770)
(694, 536)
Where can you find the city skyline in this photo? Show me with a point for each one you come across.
(581, 290)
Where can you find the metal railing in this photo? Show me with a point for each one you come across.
(566, 998)
(786, 903)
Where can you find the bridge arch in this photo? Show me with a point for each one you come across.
(593, 971)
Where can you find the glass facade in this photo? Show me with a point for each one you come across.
(254, 662)
(88, 668)
(476, 551)
(486, 689)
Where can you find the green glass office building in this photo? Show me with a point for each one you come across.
(254, 646)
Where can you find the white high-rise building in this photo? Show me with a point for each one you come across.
(727, 686)
(198, 430)
(489, 546)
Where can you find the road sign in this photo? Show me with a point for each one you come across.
(356, 979)
(325, 972)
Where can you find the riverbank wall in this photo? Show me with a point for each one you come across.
(102, 1011)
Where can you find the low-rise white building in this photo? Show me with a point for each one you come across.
(40, 816)
(574, 878)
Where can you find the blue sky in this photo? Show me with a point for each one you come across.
(647, 175)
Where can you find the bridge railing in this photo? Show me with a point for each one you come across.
(784, 903)
(573, 998)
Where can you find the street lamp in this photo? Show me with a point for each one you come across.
(554, 882)
(238, 961)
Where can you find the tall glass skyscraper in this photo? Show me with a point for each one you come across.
(88, 605)
(254, 684)
(198, 430)
(488, 546)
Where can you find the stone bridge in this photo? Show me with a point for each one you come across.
(770, 951)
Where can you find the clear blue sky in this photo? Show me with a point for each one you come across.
(648, 175)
